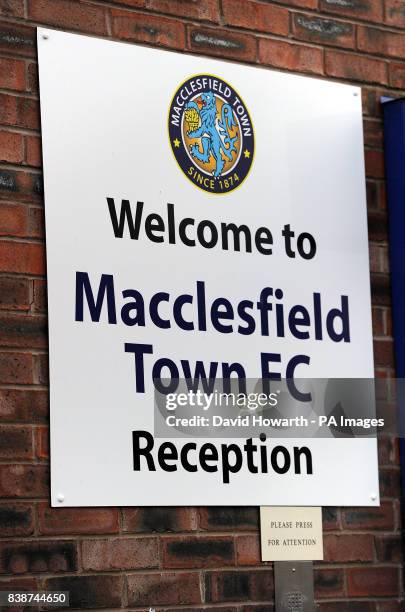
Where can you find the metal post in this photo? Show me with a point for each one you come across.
(294, 586)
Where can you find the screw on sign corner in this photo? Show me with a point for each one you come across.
(294, 602)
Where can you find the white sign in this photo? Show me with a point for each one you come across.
(291, 534)
(199, 213)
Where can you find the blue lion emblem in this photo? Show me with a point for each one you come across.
(215, 138)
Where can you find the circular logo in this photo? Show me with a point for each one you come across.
(211, 133)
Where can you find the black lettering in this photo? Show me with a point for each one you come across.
(189, 467)
(303, 450)
(105, 289)
(139, 350)
(228, 450)
(125, 216)
(263, 237)
(167, 452)
(154, 223)
(137, 451)
(280, 450)
(236, 232)
(136, 305)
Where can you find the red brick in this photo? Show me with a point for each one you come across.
(32, 78)
(19, 111)
(12, 74)
(11, 147)
(395, 13)
(343, 548)
(16, 442)
(328, 582)
(40, 296)
(346, 606)
(248, 550)
(24, 481)
(375, 258)
(211, 609)
(379, 257)
(397, 74)
(391, 606)
(219, 609)
(372, 581)
(385, 265)
(14, 293)
(33, 151)
(315, 29)
(12, 8)
(355, 67)
(16, 519)
(378, 321)
(371, 100)
(390, 482)
(42, 443)
(17, 584)
(13, 220)
(256, 16)
(382, 196)
(36, 556)
(385, 391)
(139, 27)
(222, 43)
(388, 451)
(384, 353)
(311, 4)
(290, 56)
(158, 520)
(70, 521)
(330, 518)
(120, 554)
(380, 42)
(164, 589)
(132, 3)
(378, 229)
(389, 548)
(204, 10)
(373, 133)
(23, 406)
(36, 222)
(239, 585)
(370, 10)
(22, 257)
(388, 322)
(267, 607)
(389, 412)
(71, 15)
(41, 369)
(89, 591)
(16, 368)
(17, 39)
(218, 518)
(201, 551)
(381, 517)
(374, 164)
(20, 186)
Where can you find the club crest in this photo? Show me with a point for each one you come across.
(211, 133)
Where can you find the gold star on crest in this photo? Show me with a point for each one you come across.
(176, 143)
(246, 153)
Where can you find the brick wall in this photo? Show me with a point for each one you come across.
(186, 557)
